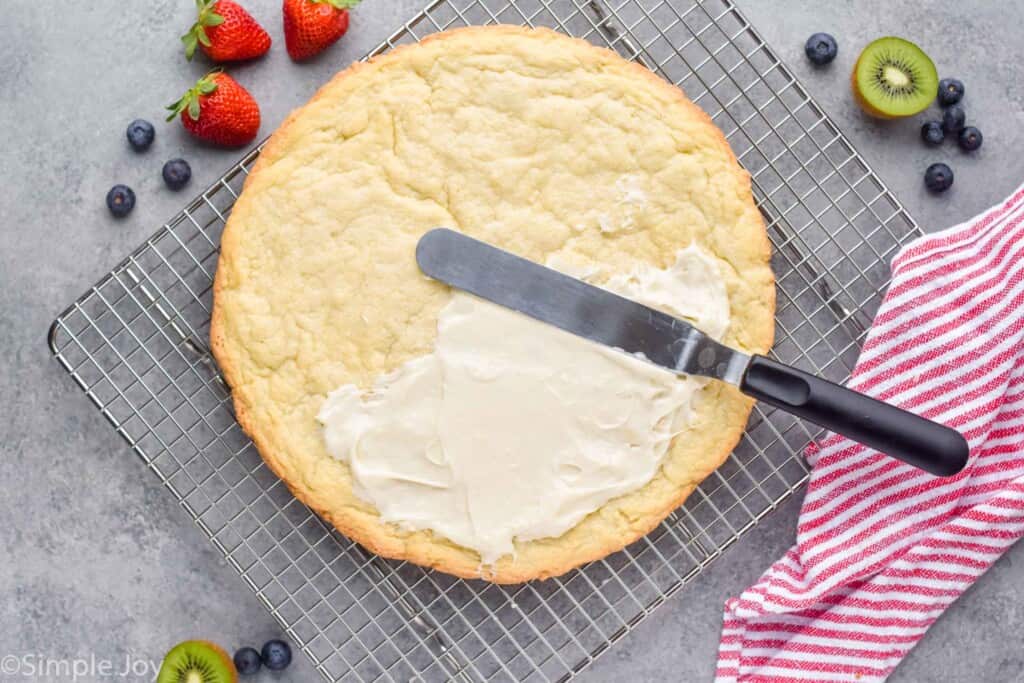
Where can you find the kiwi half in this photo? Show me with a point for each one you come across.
(197, 661)
(894, 78)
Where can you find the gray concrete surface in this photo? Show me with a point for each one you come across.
(98, 560)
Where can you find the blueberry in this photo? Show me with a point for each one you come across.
(177, 173)
(140, 134)
(969, 139)
(121, 200)
(276, 655)
(951, 91)
(247, 661)
(932, 133)
(953, 119)
(821, 48)
(938, 177)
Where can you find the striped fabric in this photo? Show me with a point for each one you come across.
(882, 548)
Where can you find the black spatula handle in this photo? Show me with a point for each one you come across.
(922, 443)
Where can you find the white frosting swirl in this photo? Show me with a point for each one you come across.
(515, 430)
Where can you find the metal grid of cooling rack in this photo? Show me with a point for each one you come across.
(135, 343)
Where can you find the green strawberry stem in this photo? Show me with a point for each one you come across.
(338, 4)
(206, 17)
(189, 102)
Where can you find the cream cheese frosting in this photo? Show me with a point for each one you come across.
(515, 430)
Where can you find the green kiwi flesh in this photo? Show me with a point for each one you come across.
(895, 78)
(197, 661)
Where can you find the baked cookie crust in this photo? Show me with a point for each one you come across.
(520, 137)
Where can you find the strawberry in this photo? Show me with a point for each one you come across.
(217, 109)
(310, 26)
(225, 32)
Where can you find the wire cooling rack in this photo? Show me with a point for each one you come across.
(136, 343)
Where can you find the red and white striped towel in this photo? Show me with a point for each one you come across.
(883, 548)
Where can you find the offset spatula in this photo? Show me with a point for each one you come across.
(606, 318)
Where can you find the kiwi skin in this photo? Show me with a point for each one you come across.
(221, 662)
(868, 108)
(863, 102)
